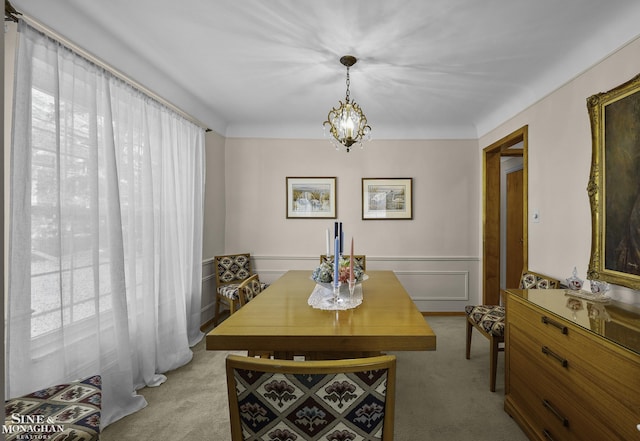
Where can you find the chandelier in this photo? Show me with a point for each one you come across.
(347, 123)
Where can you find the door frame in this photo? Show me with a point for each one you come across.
(491, 159)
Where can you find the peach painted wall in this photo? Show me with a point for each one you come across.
(214, 209)
(559, 167)
(213, 222)
(436, 254)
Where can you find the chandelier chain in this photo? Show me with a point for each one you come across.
(348, 83)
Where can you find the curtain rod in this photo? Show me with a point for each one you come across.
(95, 60)
(10, 13)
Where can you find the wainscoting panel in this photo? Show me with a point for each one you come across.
(208, 291)
(436, 284)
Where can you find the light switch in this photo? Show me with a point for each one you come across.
(535, 216)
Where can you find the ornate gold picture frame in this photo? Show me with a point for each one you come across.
(614, 185)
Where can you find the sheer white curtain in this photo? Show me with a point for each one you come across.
(106, 230)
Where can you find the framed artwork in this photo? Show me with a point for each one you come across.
(614, 185)
(311, 198)
(387, 198)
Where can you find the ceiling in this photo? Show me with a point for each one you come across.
(426, 69)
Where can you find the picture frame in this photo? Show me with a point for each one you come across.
(311, 197)
(614, 185)
(387, 198)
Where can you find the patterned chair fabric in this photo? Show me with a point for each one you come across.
(489, 318)
(229, 291)
(285, 400)
(360, 260)
(250, 288)
(231, 270)
(59, 413)
(531, 280)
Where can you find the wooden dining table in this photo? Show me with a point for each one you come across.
(280, 320)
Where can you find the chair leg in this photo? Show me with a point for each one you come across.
(469, 331)
(494, 363)
(216, 317)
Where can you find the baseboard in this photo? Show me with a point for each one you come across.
(207, 326)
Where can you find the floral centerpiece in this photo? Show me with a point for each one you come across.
(324, 272)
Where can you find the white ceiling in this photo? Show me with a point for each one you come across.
(270, 68)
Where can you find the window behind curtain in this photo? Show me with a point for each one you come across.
(106, 229)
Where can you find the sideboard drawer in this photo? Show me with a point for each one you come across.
(557, 413)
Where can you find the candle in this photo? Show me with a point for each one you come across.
(341, 239)
(328, 246)
(351, 262)
(336, 263)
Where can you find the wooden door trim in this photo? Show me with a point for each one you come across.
(491, 210)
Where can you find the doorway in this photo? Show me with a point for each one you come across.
(493, 241)
(511, 260)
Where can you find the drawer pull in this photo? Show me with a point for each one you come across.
(547, 435)
(549, 406)
(547, 321)
(563, 361)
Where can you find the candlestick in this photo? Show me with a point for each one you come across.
(328, 246)
(351, 262)
(336, 263)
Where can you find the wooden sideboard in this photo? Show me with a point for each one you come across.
(572, 366)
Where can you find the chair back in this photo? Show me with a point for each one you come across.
(232, 268)
(248, 289)
(361, 260)
(532, 280)
(311, 400)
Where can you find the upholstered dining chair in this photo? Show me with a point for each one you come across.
(327, 400)
(231, 271)
(489, 320)
(247, 291)
(361, 260)
(249, 288)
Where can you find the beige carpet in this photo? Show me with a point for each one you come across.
(441, 396)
